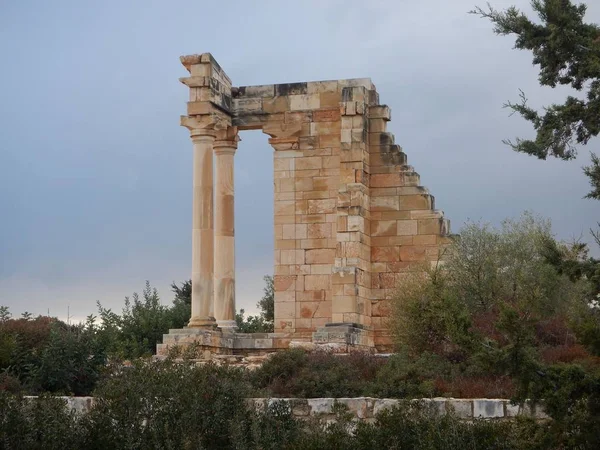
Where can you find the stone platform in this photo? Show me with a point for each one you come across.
(201, 343)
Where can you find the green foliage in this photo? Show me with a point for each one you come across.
(140, 326)
(495, 306)
(295, 373)
(267, 303)
(41, 424)
(181, 310)
(264, 322)
(45, 354)
(165, 405)
(513, 303)
(571, 396)
(567, 51)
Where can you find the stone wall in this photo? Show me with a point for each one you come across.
(366, 408)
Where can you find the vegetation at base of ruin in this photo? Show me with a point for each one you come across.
(162, 405)
(265, 320)
(567, 51)
(44, 354)
(515, 304)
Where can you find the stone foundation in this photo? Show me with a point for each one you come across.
(199, 343)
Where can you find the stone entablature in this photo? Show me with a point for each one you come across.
(351, 217)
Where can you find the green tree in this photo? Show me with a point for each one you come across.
(181, 310)
(264, 321)
(567, 51)
(140, 327)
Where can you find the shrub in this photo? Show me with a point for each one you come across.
(44, 423)
(493, 306)
(295, 373)
(165, 405)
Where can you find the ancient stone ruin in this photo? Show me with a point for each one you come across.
(351, 217)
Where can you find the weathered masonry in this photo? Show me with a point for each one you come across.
(350, 214)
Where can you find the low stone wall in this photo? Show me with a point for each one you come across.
(366, 408)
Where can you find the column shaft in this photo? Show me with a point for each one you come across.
(202, 232)
(224, 277)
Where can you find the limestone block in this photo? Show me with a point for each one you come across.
(384, 404)
(406, 227)
(425, 239)
(413, 253)
(386, 180)
(310, 310)
(318, 231)
(314, 243)
(385, 254)
(488, 409)
(309, 162)
(325, 183)
(247, 105)
(283, 164)
(386, 228)
(266, 90)
(462, 408)
(284, 208)
(411, 202)
(304, 102)
(430, 226)
(320, 405)
(263, 343)
(285, 310)
(325, 206)
(329, 99)
(317, 282)
(356, 223)
(316, 87)
(377, 125)
(291, 88)
(391, 203)
(284, 219)
(437, 404)
(308, 346)
(284, 283)
(329, 140)
(361, 407)
(380, 112)
(328, 115)
(288, 154)
(276, 105)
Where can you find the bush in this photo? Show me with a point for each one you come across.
(295, 373)
(47, 355)
(165, 405)
(44, 423)
(494, 306)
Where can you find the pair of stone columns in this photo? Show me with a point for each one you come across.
(213, 245)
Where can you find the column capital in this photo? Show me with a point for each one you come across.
(226, 141)
(206, 124)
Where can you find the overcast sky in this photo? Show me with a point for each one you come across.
(95, 172)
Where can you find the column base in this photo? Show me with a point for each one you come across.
(202, 322)
(227, 325)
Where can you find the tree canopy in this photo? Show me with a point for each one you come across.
(567, 51)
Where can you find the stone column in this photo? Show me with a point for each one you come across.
(224, 279)
(202, 230)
